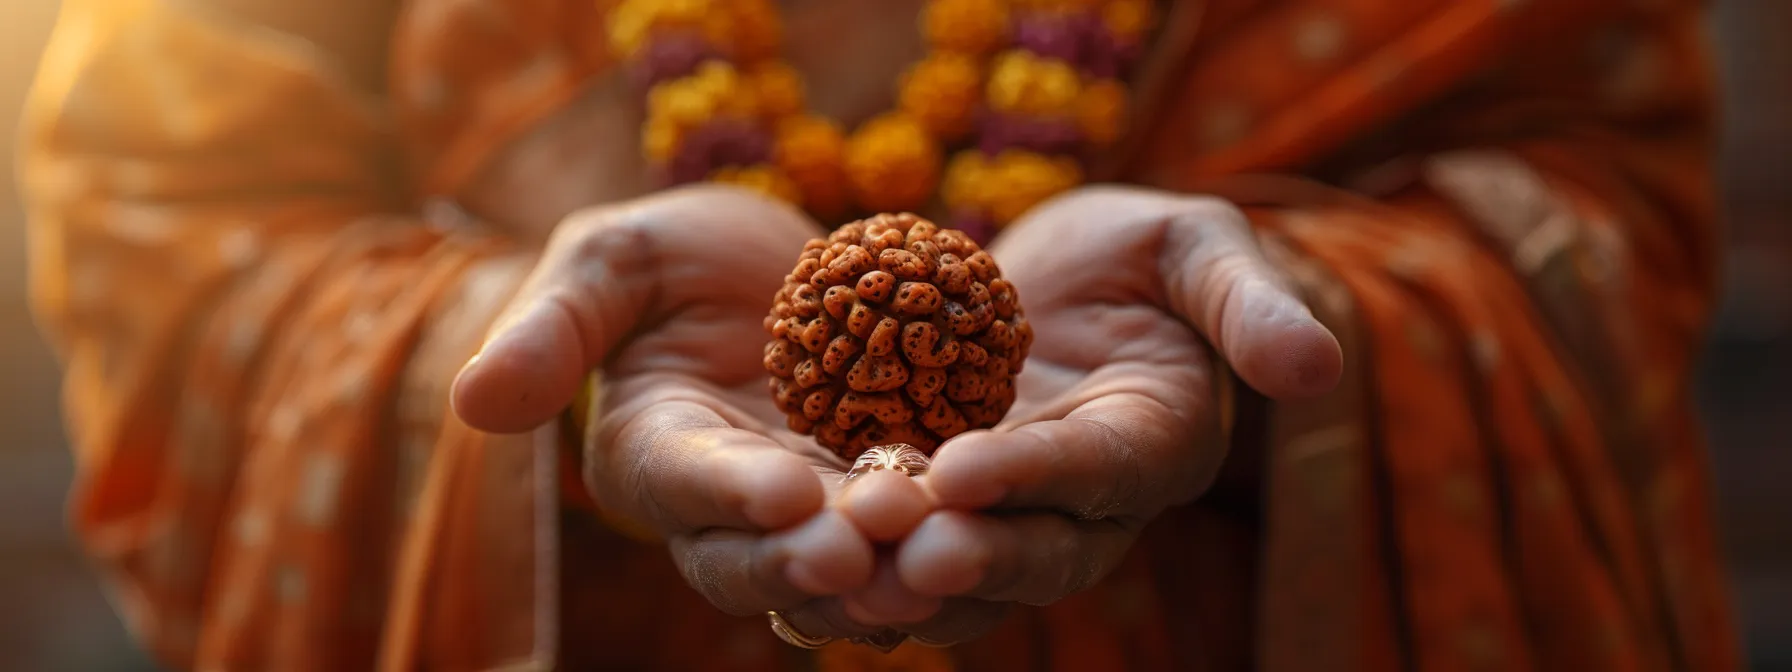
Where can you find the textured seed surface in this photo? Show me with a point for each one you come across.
(893, 330)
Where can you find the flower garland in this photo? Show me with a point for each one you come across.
(1025, 90)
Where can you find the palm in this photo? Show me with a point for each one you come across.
(1098, 329)
(702, 337)
(1129, 342)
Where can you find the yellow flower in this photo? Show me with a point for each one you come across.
(811, 151)
(1024, 83)
(1128, 20)
(763, 179)
(972, 27)
(964, 184)
(631, 21)
(1101, 111)
(716, 88)
(680, 102)
(1008, 185)
(628, 24)
(778, 87)
(684, 12)
(716, 77)
(1019, 180)
(941, 92)
(892, 163)
(659, 139)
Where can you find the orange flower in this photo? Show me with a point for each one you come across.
(810, 150)
(941, 92)
(1101, 111)
(1024, 83)
(973, 27)
(892, 163)
(766, 180)
(1128, 20)
(757, 32)
(778, 87)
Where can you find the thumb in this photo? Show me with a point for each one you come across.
(1218, 279)
(594, 281)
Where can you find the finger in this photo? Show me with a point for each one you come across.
(589, 289)
(606, 271)
(743, 573)
(1128, 454)
(679, 467)
(1032, 559)
(1217, 277)
(885, 505)
(960, 620)
(827, 556)
(886, 601)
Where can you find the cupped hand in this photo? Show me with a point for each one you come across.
(666, 296)
(1130, 292)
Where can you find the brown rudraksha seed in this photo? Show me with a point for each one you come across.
(893, 330)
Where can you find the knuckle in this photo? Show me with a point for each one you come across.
(1207, 211)
(1206, 228)
(616, 235)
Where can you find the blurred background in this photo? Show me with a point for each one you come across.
(55, 616)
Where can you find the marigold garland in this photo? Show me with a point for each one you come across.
(1024, 89)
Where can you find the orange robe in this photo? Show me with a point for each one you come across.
(1503, 207)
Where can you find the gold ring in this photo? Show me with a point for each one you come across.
(789, 634)
(899, 457)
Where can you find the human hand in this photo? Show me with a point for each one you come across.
(1130, 292)
(667, 295)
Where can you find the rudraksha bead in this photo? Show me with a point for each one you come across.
(893, 330)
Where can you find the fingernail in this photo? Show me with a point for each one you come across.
(471, 362)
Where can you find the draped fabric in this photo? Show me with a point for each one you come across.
(1503, 207)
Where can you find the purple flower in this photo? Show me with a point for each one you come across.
(1000, 132)
(668, 55)
(1080, 39)
(721, 142)
(1107, 57)
(1052, 35)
